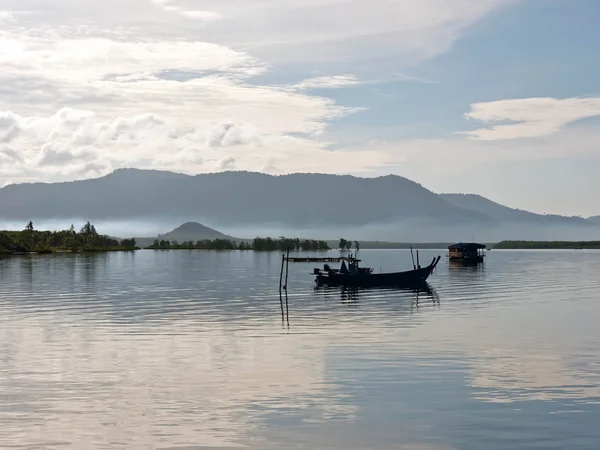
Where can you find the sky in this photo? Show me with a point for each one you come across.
(495, 97)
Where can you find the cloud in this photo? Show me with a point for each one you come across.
(227, 163)
(10, 155)
(330, 82)
(54, 154)
(286, 30)
(203, 15)
(341, 30)
(431, 158)
(228, 134)
(9, 127)
(531, 117)
(74, 142)
(172, 84)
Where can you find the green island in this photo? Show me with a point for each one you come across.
(258, 244)
(87, 239)
(550, 245)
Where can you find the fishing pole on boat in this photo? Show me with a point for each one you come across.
(413, 258)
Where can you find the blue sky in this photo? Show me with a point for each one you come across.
(496, 97)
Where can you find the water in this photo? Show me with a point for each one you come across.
(188, 350)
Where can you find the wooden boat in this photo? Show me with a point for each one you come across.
(353, 275)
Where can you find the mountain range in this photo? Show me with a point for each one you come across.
(323, 206)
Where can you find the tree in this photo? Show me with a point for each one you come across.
(345, 244)
(30, 235)
(88, 231)
(357, 245)
(128, 243)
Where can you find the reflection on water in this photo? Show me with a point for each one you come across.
(190, 349)
(353, 295)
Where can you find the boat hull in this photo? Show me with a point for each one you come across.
(408, 278)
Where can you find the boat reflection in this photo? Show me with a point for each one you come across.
(466, 264)
(352, 295)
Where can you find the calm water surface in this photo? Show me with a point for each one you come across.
(188, 350)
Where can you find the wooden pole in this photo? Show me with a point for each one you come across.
(418, 264)
(413, 257)
(281, 273)
(287, 269)
(287, 309)
(281, 303)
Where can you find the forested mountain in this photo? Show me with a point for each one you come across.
(248, 204)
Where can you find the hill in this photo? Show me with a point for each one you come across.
(501, 213)
(594, 220)
(193, 231)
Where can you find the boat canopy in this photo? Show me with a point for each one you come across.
(468, 246)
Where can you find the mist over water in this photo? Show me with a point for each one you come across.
(406, 231)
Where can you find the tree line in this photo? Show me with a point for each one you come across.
(293, 244)
(86, 239)
(205, 244)
(258, 244)
(567, 245)
(345, 244)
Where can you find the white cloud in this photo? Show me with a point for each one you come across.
(330, 82)
(76, 142)
(10, 159)
(55, 154)
(341, 30)
(169, 83)
(427, 159)
(290, 30)
(227, 163)
(203, 15)
(531, 117)
(229, 134)
(9, 127)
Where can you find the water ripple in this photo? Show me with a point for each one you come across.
(197, 350)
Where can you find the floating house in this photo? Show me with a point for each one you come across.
(467, 252)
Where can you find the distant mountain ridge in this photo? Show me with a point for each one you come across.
(503, 213)
(228, 196)
(390, 208)
(594, 220)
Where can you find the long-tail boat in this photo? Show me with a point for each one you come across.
(352, 275)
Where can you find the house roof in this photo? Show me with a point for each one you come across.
(468, 246)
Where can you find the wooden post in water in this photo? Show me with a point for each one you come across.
(418, 264)
(287, 310)
(287, 270)
(281, 275)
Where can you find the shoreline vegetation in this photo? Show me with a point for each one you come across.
(258, 244)
(87, 239)
(547, 245)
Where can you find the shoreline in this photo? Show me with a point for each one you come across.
(67, 251)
